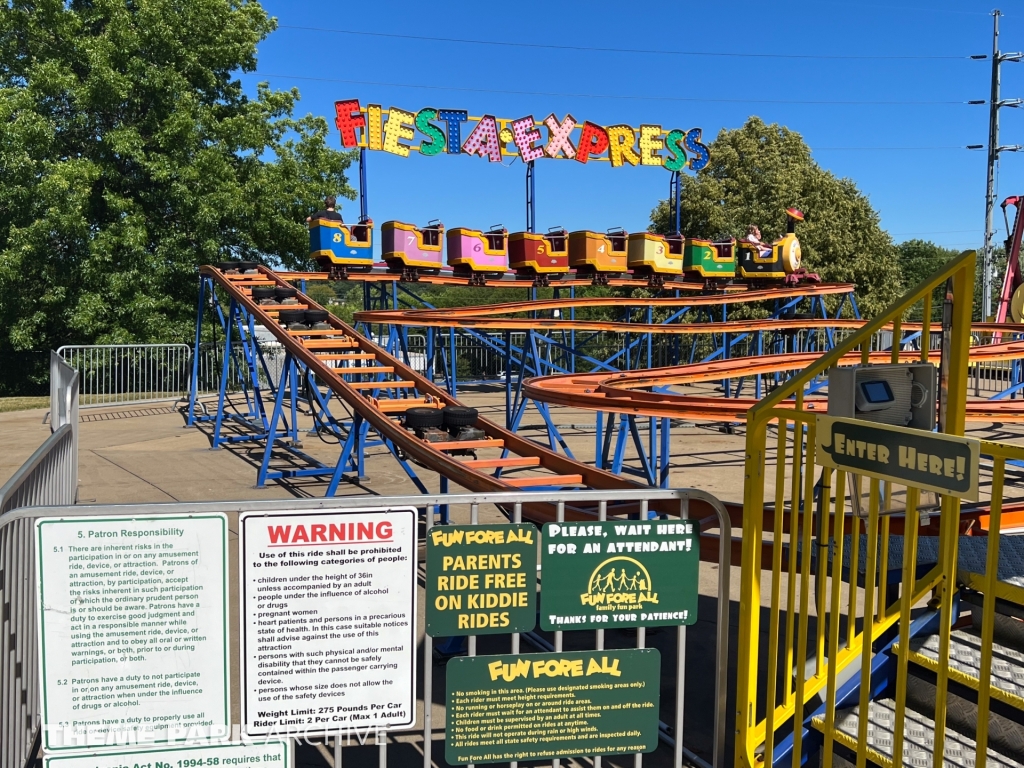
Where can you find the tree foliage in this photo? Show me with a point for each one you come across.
(758, 171)
(130, 154)
(919, 260)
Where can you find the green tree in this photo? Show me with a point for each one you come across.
(758, 171)
(919, 260)
(130, 155)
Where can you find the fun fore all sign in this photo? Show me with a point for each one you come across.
(454, 132)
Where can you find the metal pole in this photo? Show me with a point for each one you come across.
(362, 186)
(990, 187)
(531, 199)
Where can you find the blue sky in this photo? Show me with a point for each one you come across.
(929, 187)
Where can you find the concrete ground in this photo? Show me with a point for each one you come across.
(143, 453)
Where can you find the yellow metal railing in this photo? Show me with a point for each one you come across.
(822, 624)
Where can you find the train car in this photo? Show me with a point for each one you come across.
(412, 250)
(597, 255)
(655, 256)
(711, 261)
(543, 257)
(478, 255)
(339, 248)
(763, 263)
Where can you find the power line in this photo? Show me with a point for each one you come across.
(605, 96)
(859, 6)
(875, 149)
(934, 232)
(579, 48)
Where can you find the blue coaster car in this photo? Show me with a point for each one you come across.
(338, 247)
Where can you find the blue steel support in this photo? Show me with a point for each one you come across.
(645, 464)
(453, 378)
(443, 509)
(598, 430)
(666, 456)
(225, 368)
(193, 388)
(287, 371)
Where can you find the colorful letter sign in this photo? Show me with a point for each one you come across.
(441, 130)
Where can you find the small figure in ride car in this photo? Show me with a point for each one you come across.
(330, 203)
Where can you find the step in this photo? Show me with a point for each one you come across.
(322, 332)
(402, 404)
(363, 370)
(543, 480)
(348, 356)
(511, 461)
(461, 445)
(918, 737)
(382, 384)
(343, 343)
(965, 663)
(275, 308)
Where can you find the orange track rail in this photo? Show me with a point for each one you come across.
(630, 392)
(534, 466)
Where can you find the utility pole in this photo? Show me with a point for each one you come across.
(995, 104)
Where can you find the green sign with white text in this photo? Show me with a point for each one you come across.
(481, 579)
(931, 461)
(552, 705)
(620, 573)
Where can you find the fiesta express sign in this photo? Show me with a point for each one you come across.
(442, 131)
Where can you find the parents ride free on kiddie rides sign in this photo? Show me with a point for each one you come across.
(453, 131)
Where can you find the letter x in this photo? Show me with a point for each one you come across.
(558, 136)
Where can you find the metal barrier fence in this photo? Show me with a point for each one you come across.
(16, 534)
(111, 374)
(49, 477)
(823, 539)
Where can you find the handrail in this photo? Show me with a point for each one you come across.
(804, 661)
(33, 462)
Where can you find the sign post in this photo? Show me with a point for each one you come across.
(133, 629)
(932, 461)
(328, 620)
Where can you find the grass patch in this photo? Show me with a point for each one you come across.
(8, 404)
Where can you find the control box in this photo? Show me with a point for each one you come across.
(901, 394)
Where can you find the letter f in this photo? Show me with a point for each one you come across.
(348, 119)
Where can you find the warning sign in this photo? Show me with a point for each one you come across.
(133, 633)
(328, 620)
(481, 579)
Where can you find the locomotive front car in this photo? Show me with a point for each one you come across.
(761, 263)
(478, 255)
(713, 262)
(338, 247)
(540, 256)
(413, 250)
(597, 255)
(655, 256)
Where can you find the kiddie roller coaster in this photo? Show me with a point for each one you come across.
(652, 368)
